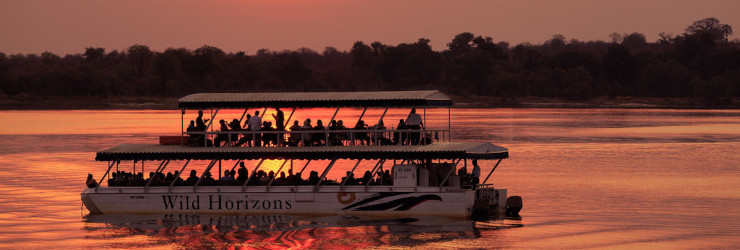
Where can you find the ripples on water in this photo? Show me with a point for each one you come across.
(589, 178)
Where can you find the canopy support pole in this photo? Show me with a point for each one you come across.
(182, 127)
(449, 124)
(155, 173)
(424, 129)
(351, 173)
(372, 173)
(361, 115)
(237, 163)
(208, 169)
(452, 170)
(263, 114)
(213, 114)
(375, 134)
(326, 171)
(352, 134)
(276, 174)
(289, 117)
(177, 177)
(489, 173)
(243, 114)
(304, 166)
(326, 129)
(105, 175)
(253, 173)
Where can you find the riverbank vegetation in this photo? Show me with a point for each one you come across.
(701, 65)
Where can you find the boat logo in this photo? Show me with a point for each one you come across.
(378, 201)
(341, 197)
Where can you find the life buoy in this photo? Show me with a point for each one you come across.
(341, 197)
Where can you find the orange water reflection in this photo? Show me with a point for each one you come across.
(280, 231)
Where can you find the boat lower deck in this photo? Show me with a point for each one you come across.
(351, 200)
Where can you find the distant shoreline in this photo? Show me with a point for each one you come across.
(154, 103)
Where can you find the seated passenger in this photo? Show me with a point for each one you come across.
(222, 137)
(178, 181)
(367, 177)
(248, 137)
(169, 178)
(349, 179)
(295, 179)
(294, 138)
(243, 174)
(90, 182)
(319, 138)
(342, 135)
(379, 136)
(268, 137)
(193, 139)
(192, 179)
(234, 126)
(227, 179)
(313, 178)
(333, 135)
(158, 180)
(208, 180)
(387, 177)
(282, 180)
(359, 135)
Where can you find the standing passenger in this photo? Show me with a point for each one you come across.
(255, 123)
(399, 137)
(476, 172)
(279, 120)
(414, 122)
(306, 137)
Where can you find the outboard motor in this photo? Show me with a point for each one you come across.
(513, 206)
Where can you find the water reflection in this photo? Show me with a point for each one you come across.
(283, 231)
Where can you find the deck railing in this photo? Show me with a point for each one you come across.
(348, 137)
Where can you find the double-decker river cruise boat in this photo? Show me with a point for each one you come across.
(410, 169)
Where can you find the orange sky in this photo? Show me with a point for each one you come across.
(68, 26)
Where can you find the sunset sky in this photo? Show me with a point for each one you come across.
(68, 26)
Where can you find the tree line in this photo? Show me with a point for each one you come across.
(699, 63)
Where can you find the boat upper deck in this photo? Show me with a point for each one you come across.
(316, 99)
(445, 150)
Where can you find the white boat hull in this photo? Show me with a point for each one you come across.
(350, 200)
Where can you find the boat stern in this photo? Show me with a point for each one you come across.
(88, 202)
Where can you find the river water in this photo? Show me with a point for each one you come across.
(604, 178)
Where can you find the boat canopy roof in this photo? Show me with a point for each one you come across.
(316, 99)
(443, 150)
